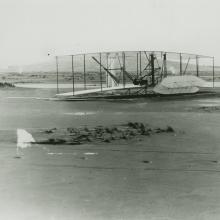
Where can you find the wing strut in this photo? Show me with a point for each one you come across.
(110, 74)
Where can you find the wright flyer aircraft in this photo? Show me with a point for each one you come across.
(124, 74)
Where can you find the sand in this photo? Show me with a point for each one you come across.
(161, 176)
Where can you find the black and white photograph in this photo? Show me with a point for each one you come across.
(110, 110)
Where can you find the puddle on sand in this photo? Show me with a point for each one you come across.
(80, 113)
(209, 105)
(91, 153)
(60, 153)
(74, 154)
(51, 153)
(90, 113)
(208, 101)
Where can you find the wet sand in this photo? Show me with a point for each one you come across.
(161, 176)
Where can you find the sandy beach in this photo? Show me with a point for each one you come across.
(160, 176)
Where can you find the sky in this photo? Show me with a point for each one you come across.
(30, 29)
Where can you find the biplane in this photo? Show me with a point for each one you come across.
(136, 74)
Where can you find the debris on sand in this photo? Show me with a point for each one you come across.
(147, 161)
(49, 131)
(106, 134)
(17, 157)
(209, 108)
(169, 129)
(6, 85)
(52, 141)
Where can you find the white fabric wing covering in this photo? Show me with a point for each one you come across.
(182, 90)
(179, 85)
(24, 139)
(182, 81)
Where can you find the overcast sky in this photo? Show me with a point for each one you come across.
(32, 28)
